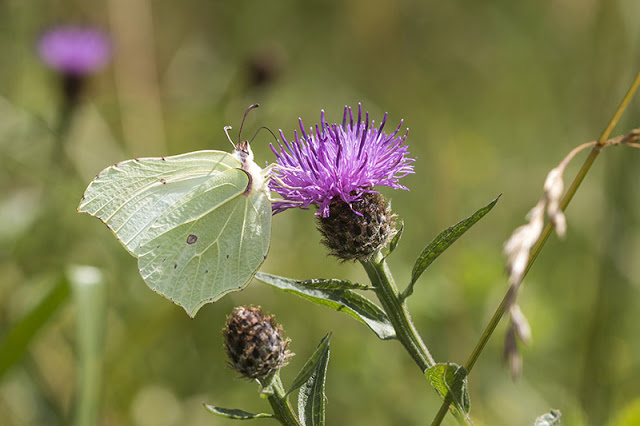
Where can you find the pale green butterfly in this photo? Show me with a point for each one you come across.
(199, 223)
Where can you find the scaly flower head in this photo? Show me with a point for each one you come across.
(334, 163)
(76, 51)
(255, 343)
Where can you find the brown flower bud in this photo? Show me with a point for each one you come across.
(255, 343)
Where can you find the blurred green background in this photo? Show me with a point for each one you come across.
(495, 94)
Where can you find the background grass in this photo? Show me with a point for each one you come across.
(495, 93)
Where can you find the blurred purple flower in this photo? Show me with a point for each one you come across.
(75, 51)
(338, 162)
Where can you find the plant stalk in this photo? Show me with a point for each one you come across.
(396, 310)
(279, 401)
(504, 304)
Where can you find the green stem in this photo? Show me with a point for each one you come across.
(504, 304)
(397, 311)
(280, 402)
(59, 160)
(89, 294)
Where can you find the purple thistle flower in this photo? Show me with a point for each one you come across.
(338, 162)
(74, 51)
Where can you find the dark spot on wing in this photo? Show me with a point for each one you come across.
(175, 265)
(163, 181)
(192, 239)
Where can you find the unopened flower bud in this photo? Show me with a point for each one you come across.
(255, 343)
(357, 231)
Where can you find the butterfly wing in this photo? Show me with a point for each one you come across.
(130, 196)
(208, 243)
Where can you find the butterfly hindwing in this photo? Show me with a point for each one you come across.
(208, 243)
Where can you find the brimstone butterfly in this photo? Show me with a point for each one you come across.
(198, 223)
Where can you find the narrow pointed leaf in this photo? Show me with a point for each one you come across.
(334, 284)
(345, 300)
(235, 414)
(16, 340)
(442, 242)
(311, 399)
(450, 381)
(395, 240)
(310, 366)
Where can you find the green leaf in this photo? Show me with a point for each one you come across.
(333, 284)
(395, 240)
(20, 335)
(345, 300)
(450, 381)
(442, 242)
(549, 419)
(311, 399)
(310, 366)
(235, 414)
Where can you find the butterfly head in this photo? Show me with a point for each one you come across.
(243, 151)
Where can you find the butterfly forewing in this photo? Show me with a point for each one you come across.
(208, 243)
(130, 196)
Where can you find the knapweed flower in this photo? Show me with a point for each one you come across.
(255, 343)
(336, 168)
(72, 50)
(74, 53)
(338, 163)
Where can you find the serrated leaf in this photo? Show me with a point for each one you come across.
(395, 240)
(344, 300)
(332, 283)
(549, 419)
(311, 399)
(311, 364)
(442, 242)
(450, 381)
(235, 414)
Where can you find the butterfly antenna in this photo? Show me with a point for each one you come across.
(263, 128)
(226, 131)
(244, 118)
